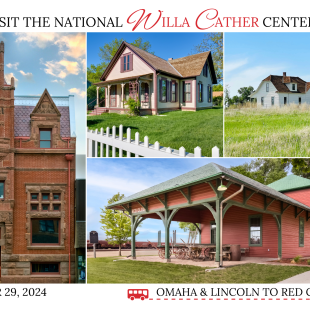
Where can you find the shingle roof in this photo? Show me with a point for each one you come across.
(277, 81)
(22, 121)
(206, 172)
(290, 183)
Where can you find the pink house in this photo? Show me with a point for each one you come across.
(159, 85)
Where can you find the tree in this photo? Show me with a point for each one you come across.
(213, 42)
(187, 226)
(235, 99)
(115, 224)
(245, 93)
(301, 166)
(106, 54)
(263, 170)
(217, 87)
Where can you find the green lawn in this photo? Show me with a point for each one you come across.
(275, 132)
(173, 129)
(104, 270)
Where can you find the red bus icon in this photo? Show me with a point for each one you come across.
(138, 294)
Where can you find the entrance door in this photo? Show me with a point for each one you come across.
(284, 100)
(213, 232)
(113, 96)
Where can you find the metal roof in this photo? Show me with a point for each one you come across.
(290, 183)
(204, 173)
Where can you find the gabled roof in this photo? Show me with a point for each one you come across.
(39, 108)
(204, 173)
(184, 67)
(290, 183)
(279, 82)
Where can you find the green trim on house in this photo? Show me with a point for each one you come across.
(290, 183)
(260, 216)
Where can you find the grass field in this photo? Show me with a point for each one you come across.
(274, 132)
(172, 129)
(104, 270)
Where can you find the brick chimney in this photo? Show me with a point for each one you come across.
(170, 59)
(284, 74)
(1, 63)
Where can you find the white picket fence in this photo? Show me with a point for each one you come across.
(136, 147)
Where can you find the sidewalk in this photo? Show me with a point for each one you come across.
(299, 279)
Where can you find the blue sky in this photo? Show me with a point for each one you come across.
(55, 61)
(251, 57)
(164, 45)
(107, 177)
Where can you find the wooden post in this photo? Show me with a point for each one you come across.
(218, 236)
(133, 237)
(167, 226)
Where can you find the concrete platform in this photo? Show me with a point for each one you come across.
(298, 279)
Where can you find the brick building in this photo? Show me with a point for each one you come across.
(37, 183)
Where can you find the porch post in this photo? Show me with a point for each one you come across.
(108, 97)
(122, 102)
(98, 97)
(155, 92)
(133, 237)
(167, 237)
(139, 92)
(278, 219)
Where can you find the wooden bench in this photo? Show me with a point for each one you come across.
(245, 251)
(226, 254)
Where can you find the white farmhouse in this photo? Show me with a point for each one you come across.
(277, 90)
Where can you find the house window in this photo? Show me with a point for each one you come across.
(293, 86)
(126, 92)
(205, 70)
(45, 196)
(34, 207)
(56, 196)
(163, 90)
(45, 138)
(262, 100)
(34, 196)
(44, 267)
(1, 189)
(272, 100)
(255, 223)
(174, 91)
(301, 231)
(209, 93)
(126, 63)
(187, 91)
(45, 231)
(144, 92)
(56, 207)
(200, 92)
(299, 100)
(285, 98)
(267, 86)
(213, 232)
(45, 207)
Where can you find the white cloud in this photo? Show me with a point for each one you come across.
(233, 65)
(13, 66)
(84, 64)
(28, 75)
(62, 83)
(61, 68)
(78, 92)
(8, 77)
(70, 45)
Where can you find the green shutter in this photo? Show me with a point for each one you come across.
(301, 231)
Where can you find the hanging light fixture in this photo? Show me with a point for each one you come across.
(222, 187)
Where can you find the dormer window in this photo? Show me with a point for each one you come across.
(294, 87)
(45, 138)
(267, 87)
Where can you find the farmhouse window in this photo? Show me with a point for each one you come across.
(213, 232)
(285, 98)
(126, 63)
(174, 91)
(200, 92)
(45, 138)
(299, 100)
(209, 93)
(262, 100)
(255, 226)
(1, 189)
(267, 86)
(301, 231)
(293, 86)
(144, 92)
(187, 91)
(45, 231)
(163, 89)
(45, 268)
(272, 100)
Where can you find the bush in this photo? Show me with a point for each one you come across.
(133, 106)
(308, 261)
(297, 258)
(218, 101)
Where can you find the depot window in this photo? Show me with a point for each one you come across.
(1, 189)
(45, 138)
(301, 231)
(255, 230)
(45, 231)
(45, 268)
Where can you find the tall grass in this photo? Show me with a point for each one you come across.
(272, 132)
